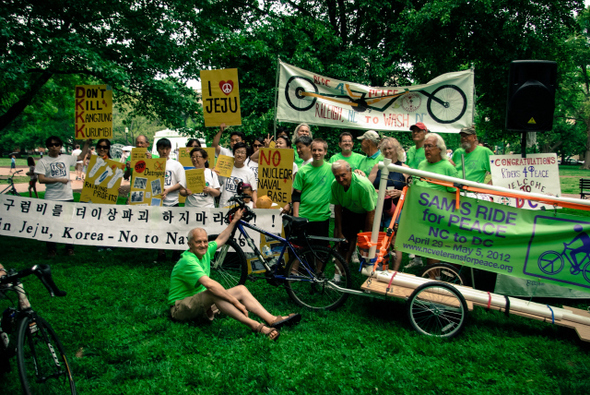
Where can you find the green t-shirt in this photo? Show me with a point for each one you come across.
(361, 196)
(414, 156)
(443, 167)
(477, 163)
(184, 281)
(353, 160)
(367, 163)
(314, 184)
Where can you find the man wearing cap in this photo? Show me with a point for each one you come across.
(477, 158)
(415, 155)
(370, 146)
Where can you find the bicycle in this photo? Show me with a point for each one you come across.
(446, 104)
(11, 189)
(42, 364)
(314, 276)
(551, 262)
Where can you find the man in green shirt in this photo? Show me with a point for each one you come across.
(346, 143)
(311, 190)
(195, 296)
(477, 158)
(370, 146)
(354, 199)
(415, 154)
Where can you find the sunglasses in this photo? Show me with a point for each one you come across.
(258, 145)
(102, 147)
(53, 145)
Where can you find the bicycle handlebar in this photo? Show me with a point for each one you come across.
(239, 199)
(43, 273)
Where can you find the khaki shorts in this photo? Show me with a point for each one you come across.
(191, 308)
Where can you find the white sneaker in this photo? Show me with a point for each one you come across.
(355, 257)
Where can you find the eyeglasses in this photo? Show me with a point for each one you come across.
(258, 145)
(196, 157)
(53, 145)
(102, 147)
(429, 146)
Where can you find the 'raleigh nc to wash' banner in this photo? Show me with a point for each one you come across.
(444, 104)
(544, 246)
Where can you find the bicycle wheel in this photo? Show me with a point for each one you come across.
(437, 309)
(229, 266)
(586, 272)
(293, 92)
(42, 364)
(550, 262)
(443, 272)
(446, 104)
(310, 283)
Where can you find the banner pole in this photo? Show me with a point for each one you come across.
(276, 97)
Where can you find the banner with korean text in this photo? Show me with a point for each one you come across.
(444, 104)
(94, 112)
(117, 226)
(553, 248)
(221, 97)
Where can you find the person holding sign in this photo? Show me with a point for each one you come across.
(195, 296)
(211, 190)
(53, 170)
(240, 172)
(234, 138)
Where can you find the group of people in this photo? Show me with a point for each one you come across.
(348, 181)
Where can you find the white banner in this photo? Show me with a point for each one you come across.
(444, 104)
(117, 226)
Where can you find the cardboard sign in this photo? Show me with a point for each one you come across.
(224, 165)
(138, 154)
(275, 174)
(221, 97)
(102, 182)
(147, 184)
(94, 112)
(184, 156)
(195, 180)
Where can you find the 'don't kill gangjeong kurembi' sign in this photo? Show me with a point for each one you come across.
(94, 112)
(221, 97)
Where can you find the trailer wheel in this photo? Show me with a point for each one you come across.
(437, 309)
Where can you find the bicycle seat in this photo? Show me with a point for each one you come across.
(294, 225)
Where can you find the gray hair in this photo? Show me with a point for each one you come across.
(341, 163)
(440, 143)
(190, 233)
(295, 135)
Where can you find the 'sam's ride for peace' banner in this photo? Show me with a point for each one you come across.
(116, 225)
(444, 104)
(94, 112)
(548, 247)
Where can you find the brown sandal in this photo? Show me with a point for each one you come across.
(269, 334)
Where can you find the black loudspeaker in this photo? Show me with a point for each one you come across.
(531, 96)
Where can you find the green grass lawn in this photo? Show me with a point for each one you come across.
(570, 178)
(115, 327)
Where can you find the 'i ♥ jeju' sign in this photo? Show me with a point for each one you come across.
(221, 97)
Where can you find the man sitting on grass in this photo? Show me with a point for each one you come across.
(195, 296)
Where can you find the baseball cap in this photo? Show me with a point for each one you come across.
(370, 135)
(469, 130)
(419, 125)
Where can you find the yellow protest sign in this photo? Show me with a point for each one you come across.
(210, 156)
(138, 154)
(94, 112)
(275, 174)
(102, 182)
(147, 184)
(184, 156)
(224, 165)
(195, 180)
(221, 97)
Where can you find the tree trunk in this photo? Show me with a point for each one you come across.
(586, 164)
(17, 108)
